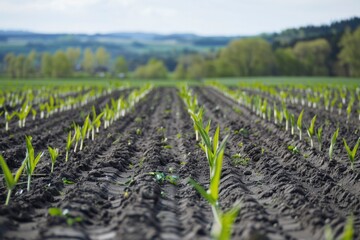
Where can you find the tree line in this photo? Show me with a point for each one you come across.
(257, 57)
(243, 57)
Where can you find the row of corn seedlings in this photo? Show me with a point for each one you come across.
(282, 115)
(90, 125)
(54, 104)
(214, 151)
(335, 98)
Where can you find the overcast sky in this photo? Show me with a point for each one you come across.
(205, 17)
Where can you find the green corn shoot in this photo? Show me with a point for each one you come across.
(215, 152)
(351, 153)
(96, 123)
(311, 131)
(77, 136)
(84, 131)
(333, 142)
(348, 233)
(292, 121)
(30, 160)
(299, 124)
(319, 137)
(69, 143)
(287, 118)
(33, 113)
(54, 153)
(10, 180)
(8, 118)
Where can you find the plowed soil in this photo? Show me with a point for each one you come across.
(283, 195)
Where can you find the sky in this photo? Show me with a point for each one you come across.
(203, 17)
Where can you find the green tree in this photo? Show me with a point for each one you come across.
(88, 62)
(247, 57)
(313, 55)
(46, 65)
(10, 61)
(154, 69)
(286, 62)
(120, 66)
(61, 66)
(102, 57)
(19, 66)
(73, 55)
(30, 64)
(349, 56)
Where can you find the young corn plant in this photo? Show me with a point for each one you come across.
(84, 131)
(333, 142)
(54, 153)
(8, 118)
(10, 180)
(311, 131)
(292, 122)
(96, 123)
(77, 136)
(30, 160)
(351, 153)
(214, 151)
(319, 137)
(69, 143)
(287, 118)
(299, 124)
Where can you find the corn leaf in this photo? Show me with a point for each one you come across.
(202, 191)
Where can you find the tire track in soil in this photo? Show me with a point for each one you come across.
(161, 211)
(27, 212)
(289, 195)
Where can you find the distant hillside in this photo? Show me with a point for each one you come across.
(292, 35)
(138, 47)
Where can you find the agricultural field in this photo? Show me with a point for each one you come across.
(207, 161)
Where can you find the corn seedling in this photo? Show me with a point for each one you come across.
(23, 113)
(319, 137)
(57, 212)
(351, 153)
(33, 113)
(10, 180)
(54, 153)
(30, 160)
(96, 122)
(287, 118)
(311, 131)
(69, 143)
(84, 131)
(8, 118)
(292, 121)
(299, 124)
(214, 152)
(77, 136)
(333, 142)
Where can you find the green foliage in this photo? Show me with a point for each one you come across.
(349, 55)
(10, 180)
(154, 69)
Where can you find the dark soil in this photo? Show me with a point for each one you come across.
(283, 195)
